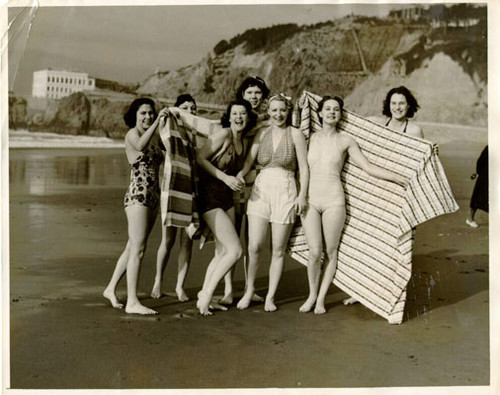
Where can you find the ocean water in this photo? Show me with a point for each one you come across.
(25, 139)
(49, 171)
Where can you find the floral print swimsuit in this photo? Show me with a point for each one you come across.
(144, 188)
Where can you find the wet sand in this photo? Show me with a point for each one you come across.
(64, 335)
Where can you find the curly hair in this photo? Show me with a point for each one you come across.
(183, 99)
(411, 100)
(324, 100)
(252, 81)
(130, 117)
(252, 117)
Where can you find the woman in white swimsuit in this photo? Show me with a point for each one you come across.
(325, 214)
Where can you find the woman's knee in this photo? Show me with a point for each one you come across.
(234, 251)
(137, 248)
(315, 254)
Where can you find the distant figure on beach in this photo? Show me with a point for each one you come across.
(325, 215)
(274, 198)
(187, 103)
(220, 159)
(400, 105)
(479, 199)
(144, 153)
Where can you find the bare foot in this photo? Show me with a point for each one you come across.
(350, 301)
(227, 299)
(156, 292)
(270, 306)
(217, 306)
(257, 298)
(203, 304)
(307, 306)
(181, 295)
(319, 309)
(244, 301)
(137, 308)
(112, 298)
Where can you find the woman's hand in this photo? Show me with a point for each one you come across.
(401, 181)
(300, 204)
(234, 183)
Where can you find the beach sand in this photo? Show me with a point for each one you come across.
(64, 334)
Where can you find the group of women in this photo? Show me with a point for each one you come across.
(295, 178)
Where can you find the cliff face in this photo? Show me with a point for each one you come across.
(359, 60)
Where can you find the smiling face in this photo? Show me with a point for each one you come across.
(189, 106)
(278, 112)
(331, 112)
(238, 118)
(144, 117)
(398, 106)
(253, 95)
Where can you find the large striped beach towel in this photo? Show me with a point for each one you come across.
(178, 187)
(375, 251)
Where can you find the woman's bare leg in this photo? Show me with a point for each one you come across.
(222, 226)
(140, 222)
(280, 233)
(162, 256)
(311, 222)
(257, 232)
(183, 262)
(333, 222)
(120, 268)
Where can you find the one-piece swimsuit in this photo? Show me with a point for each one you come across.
(325, 165)
(144, 187)
(214, 193)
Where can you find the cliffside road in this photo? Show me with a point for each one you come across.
(63, 334)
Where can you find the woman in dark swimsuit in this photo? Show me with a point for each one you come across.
(220, 159)
(144, 153)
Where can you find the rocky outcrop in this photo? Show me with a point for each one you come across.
(18, 107)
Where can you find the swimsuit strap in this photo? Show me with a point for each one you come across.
(406, 124)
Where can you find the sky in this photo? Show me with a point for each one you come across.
(129, 43)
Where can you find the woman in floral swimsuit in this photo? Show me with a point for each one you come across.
(143, 149)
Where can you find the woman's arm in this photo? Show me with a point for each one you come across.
(203, 126)
(373, 170)
(138, 142)
(214, 143)
(414, 130)
(301, 149)
(251, 155)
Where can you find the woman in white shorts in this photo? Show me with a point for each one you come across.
(274, 198)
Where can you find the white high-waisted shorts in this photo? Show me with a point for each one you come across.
(273, 196)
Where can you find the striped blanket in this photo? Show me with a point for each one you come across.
(178, 187)
(375, 251)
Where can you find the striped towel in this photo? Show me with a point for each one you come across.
(375, 251)
(178, 187)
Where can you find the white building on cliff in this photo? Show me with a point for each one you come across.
(55, 84)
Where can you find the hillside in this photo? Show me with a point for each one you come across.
(355, 58)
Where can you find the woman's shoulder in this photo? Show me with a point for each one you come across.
(378, 119)
(414, 130)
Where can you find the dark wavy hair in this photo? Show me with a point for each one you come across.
(402, 90)
(252, 117)
(252, 81)
(183, 99)
(130, 116)
(324, 100)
